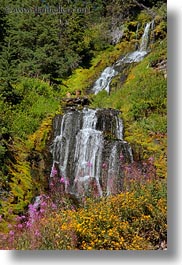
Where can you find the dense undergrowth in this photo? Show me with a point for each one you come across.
(135, 219)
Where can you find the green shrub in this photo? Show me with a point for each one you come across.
(133, 220)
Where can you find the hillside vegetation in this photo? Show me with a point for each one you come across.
(43, 56)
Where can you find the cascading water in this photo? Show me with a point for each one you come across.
(138, 55)
(88, 144)
(88, 152)
(87, 149)
(145, 37)
(103, 82)
(113, 168)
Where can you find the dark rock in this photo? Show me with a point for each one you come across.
(88, 147)
(70, 102)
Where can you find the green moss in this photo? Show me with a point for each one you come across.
(83, 79)
(142, 99)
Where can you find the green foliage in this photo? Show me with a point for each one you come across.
(142, 99)
(25, 173)
(99, 100)
(132, 220)
(71, 50)
(51, 45)
(143, 94)
(18, 183)
(83, 78)
(155, 123)
(38, 99)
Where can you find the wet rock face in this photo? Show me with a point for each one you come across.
(87, 149)
(77, 101)
(57, 125)
(115, 153)
(109, 123)
(105, 79)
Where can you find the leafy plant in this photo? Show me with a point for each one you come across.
(132, 220)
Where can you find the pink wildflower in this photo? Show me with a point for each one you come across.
(20, 226)
(11, 233)
(151, 159)
(104, 165)
(54, 207)
(37, 233)
(42, 210)
(89, 164)
(28, 224)
(62, 180)
(54, 172)
(43, 204)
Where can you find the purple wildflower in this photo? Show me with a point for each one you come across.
(54, 172)
(28, 224)
(54, 207)
(32, 209)
(37, 233)
(104, 165)
(62, 180)
(43, 204)
(89, 164)
(23, 217)
(20, 226)
(11, 233)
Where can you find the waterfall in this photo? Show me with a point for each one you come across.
(113, 169)
(89, 118)
(138, 55)
(63, 142)
(88, 157)
(145, 37)
(88, 143)
(119, 128)
(86, 151)
(103, 82)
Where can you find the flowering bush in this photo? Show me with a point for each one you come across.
(135, 219)
(126, 221)
(132, 220)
